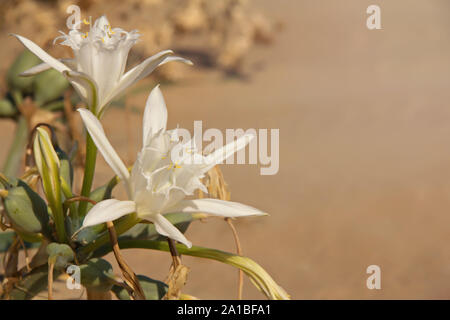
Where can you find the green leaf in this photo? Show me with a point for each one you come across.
(147, 231)
(17, 149)
(32, 284)
(7, 238)
(103, 192)
(258, 276)
(97, 274)
(48, 86)
(89, 234)
(153, 289)
(7, 108)
(23, 62)
(66, 169)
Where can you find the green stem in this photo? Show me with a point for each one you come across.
(194, 251)
(72, 206)
(16, 151)
(91, 156)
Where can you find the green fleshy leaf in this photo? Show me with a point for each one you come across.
(147, 231)
(23, 62)
(7, 238)
(97, 274)
(17, 149)
(89, 234)
(48, 86)
(7, 108)
(258, 276)
(32, 284)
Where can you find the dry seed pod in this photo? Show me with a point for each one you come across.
(27, 212)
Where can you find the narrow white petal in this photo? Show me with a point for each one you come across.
(108, 210)
(176, 58)
(85, 86)
(166, 228)
(216, 207)
(141, 71)
(155, 115)
(45, 66)
(41, 54)
(226, 151)
(138, 72)
(97, 134)
(146, 67)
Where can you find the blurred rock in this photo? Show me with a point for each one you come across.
(226, 30)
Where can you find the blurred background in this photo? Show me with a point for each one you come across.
(364, 133)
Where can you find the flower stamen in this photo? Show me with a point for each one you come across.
(174, 166)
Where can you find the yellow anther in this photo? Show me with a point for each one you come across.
(174, 166)
(84, 36)
(103, 40)
(85, 21)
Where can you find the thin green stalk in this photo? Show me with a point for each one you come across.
(91, 157)
(72, 206)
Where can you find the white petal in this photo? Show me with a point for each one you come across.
(155, 115)
(216, 207)
(176, 58)
(226, 151)
(142, 70)
(41, 54)
(85, 86)
(45, 66)
(101, 23)
(98, 136)
(108, 210)
(166, 228)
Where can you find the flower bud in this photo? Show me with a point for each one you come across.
(48, 164)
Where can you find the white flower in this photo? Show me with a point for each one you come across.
(97, 71)
(157, 184)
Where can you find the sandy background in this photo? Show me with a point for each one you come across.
(364, 153)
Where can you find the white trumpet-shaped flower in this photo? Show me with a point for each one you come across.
(165, 173)
(97, 71)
